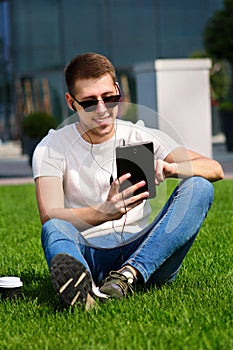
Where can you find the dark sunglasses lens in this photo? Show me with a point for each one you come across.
(112, 101)
(90, 106)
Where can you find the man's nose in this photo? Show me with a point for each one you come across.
(101, 108)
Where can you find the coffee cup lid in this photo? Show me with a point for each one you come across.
(10, 282)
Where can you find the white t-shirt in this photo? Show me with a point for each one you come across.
(86, 169)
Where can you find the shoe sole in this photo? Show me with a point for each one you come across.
(71, 281)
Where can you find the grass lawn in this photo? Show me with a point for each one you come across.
(193, 313)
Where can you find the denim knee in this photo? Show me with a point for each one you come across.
(205, 190)
(59, 236)
(57, 227)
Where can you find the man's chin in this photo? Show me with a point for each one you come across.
(104, 130)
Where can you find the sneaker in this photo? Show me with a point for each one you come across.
(73, 282)
(116, 285)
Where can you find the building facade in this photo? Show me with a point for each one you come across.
(38, 38)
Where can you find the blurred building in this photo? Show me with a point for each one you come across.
(38, 38)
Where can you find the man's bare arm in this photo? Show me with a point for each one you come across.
(50, 201)
(182, 163)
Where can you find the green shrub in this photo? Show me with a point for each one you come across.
(226, 106)
(37, 124)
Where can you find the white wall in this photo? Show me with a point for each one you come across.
(183, 102)
(179, 90)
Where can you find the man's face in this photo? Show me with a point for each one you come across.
(99, 123)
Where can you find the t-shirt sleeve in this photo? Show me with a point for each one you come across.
(48, 158)
(163, 143)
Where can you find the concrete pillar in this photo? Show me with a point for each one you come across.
(179, 90)
(183, 102)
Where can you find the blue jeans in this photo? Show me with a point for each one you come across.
(157, 251)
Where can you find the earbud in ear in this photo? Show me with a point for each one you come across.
(73, 106)
(118, 87)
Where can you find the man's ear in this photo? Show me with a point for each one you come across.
(70, 102)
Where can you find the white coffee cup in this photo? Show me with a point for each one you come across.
(10, 287)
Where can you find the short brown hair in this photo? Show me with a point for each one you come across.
(88, 65)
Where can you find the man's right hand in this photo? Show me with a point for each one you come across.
(119, 203)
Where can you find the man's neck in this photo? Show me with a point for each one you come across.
(93, 136)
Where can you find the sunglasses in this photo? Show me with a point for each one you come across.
(90, 105)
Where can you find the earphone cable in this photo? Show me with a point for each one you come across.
(116, 234)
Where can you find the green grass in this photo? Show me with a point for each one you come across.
(195, 312)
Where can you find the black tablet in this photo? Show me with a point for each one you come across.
(138, 160)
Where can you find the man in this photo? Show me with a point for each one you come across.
(96, 239)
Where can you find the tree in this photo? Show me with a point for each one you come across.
(218, 34)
